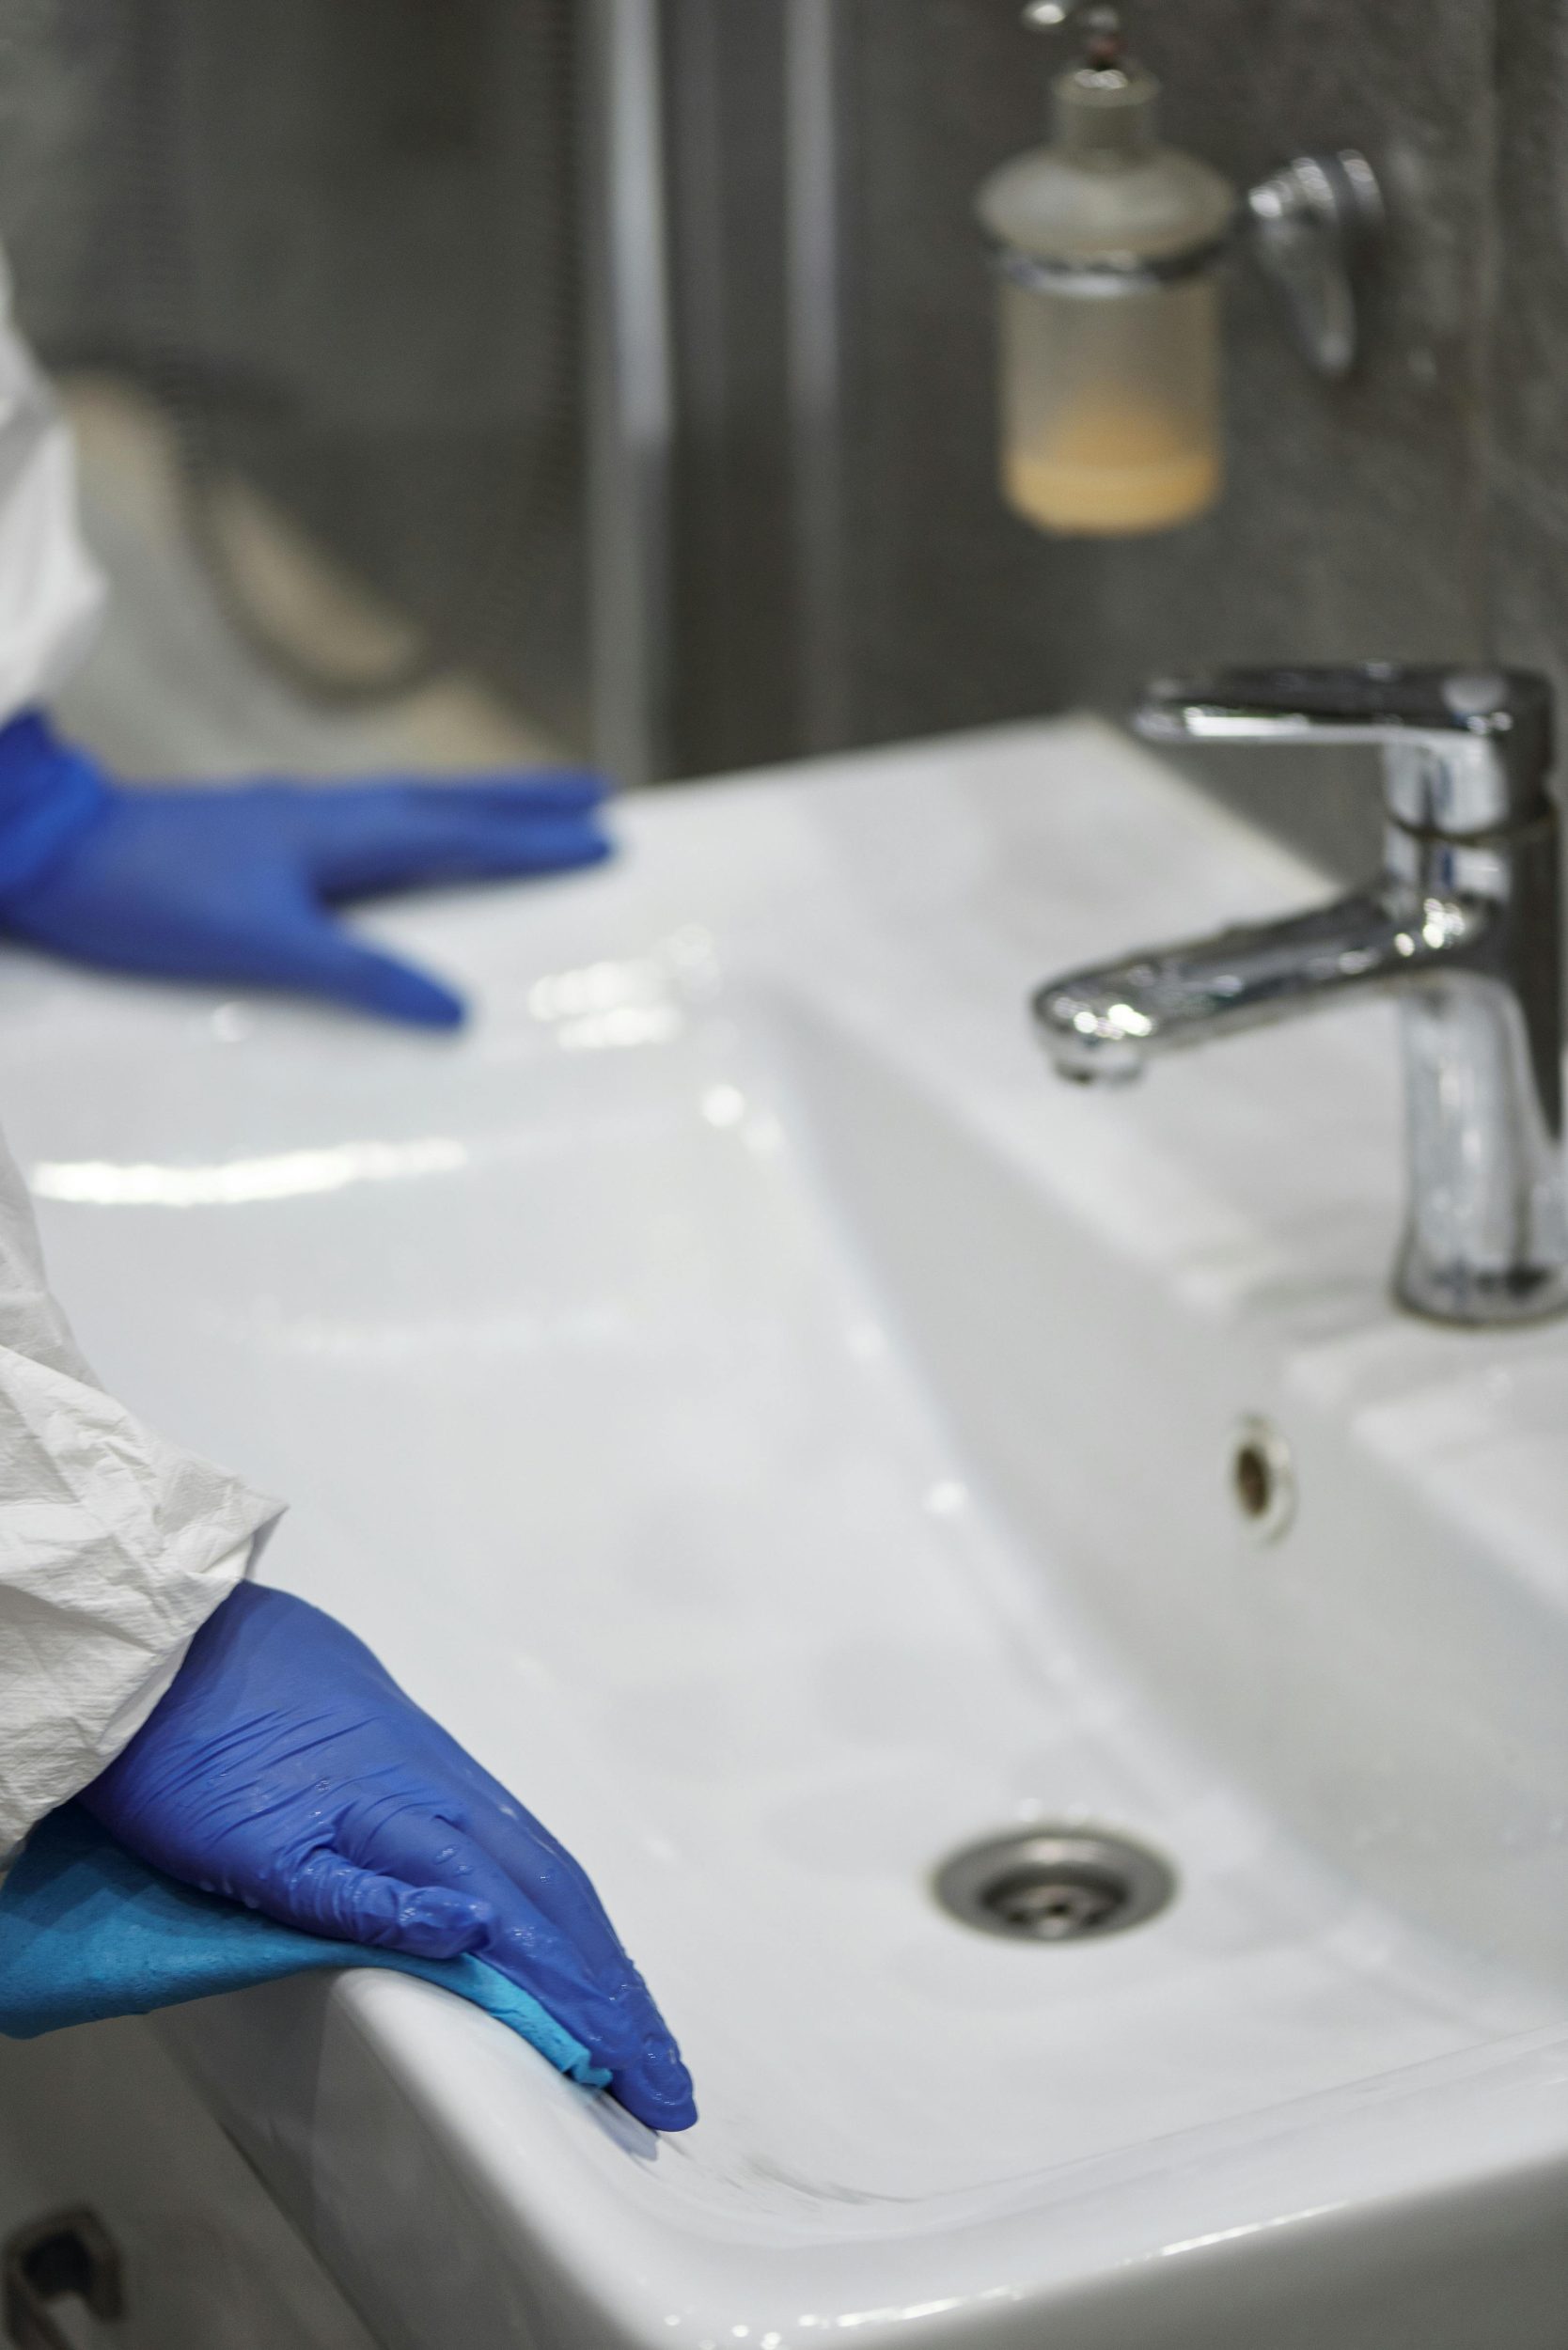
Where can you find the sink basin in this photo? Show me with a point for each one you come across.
(789, 1438)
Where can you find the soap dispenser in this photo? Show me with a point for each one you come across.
(1107, 247)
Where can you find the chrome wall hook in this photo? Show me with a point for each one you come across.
(1314, 227)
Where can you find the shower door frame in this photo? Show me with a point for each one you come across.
(656, 296)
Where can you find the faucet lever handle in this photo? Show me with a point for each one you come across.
(1464, 750)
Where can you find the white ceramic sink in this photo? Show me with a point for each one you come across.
(785, 1433)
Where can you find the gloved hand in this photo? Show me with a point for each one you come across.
(233, 883)
(285, 1768)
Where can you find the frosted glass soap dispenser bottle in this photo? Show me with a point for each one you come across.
(1107, 247)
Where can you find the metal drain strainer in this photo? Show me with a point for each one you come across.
(1054, 1885)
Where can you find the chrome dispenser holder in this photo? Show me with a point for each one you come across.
(1314, 227)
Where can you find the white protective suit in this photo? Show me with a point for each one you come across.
(113, 1546)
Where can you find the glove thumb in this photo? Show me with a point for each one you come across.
(328, 1895)
(321, 958)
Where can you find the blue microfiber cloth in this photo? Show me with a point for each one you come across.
(87, 1931)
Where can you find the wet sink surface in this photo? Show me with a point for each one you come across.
(785, 1434)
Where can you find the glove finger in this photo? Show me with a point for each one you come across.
(315, 811)
(658, 2091)
(329, 828)
(319, 958)
(550, 1876)
(402, 843)
(521, 1941)
(441, 850)
(329, 1895)
(617, 2022)
(658, 2088)
(536, 1862)
(553, 791)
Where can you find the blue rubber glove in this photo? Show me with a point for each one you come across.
(286, 1769)
(232, 884)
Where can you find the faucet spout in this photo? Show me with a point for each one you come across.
(1104, 1026)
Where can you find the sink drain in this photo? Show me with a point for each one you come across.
(1054, 1885)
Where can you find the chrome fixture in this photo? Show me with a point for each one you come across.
(632, 385)
(1464, 924)
(1314, 230)
(1054, 1885)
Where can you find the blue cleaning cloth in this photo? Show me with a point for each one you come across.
(87, 1931)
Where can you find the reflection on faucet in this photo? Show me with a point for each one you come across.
(1464, 923)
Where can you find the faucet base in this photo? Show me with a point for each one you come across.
(1514, 1299)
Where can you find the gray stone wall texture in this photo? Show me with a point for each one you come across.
(365, 185)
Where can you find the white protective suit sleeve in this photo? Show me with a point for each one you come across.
(114, 1545)
(50, 590)
(115, 1548)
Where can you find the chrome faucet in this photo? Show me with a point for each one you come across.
(1464, 924)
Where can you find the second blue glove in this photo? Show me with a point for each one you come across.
(234, 884)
